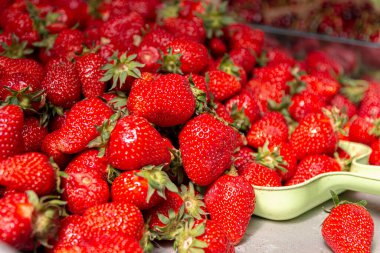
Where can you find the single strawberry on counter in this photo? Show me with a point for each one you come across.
(349, 227)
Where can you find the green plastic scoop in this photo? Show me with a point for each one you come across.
(287, 202)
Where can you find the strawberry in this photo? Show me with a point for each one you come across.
(57, 122)
(222, 85)
(230, 201)
(271, 127)
(185, 56)
(374, 158)
(370, 105)
(85, 176)
(240, 35)
(243, 156)
(29, 171)
(206, 139)
(157, 38)
(150, 57)
(50, 147)
(191, 29)
(349, 227)
(260, 175)
(89, 70)
(243, 57)
(319, 61)
(61, 83)
(314, 135)
(25, 220)
(274, 56)
(33, 134)
(364, 130)
(344, 105)
(311, 166)
(305, 103)
(80, 125)
(143, 188)
(68, 44)
(217, 47)
(11, 124)
(26, 66)
(222, 112)
(165, 100)
(227, 65)
(280, 74)
(207, 236)
(321, 85)
(134, 143)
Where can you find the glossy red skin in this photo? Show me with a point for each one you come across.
(80, 125)
(11, 124)
(217, 47)
(290, 158)
(29, 171)
(217, 65)
(344, 105)
(16, 220)
(199, 82)
(243, 156)
(230, 201)
(194, 55)
(257, 174)
(165, 101)
(247, 103)
(22, 65)
(72, 231)
(61, 83)
(216, 239)
(374, 158)
(186, 28)
(149, 56)
(206, 146)
(21, 24)
(243, 57)
(247, 37)
(17, 81)
(222, 85)
(131, 188)
(314, 135)
(305, 103)
(312, 166)
(86, 177)
(323, 87)
(271, 127)
(121, 218)
(33, 134)
(51, 147)
(370, 104)
(348, 228)
(134, 143)
(359, 131)
(68, 43)
(57, 122)
(318, 61)
(279, 74)
(157, 38)
(89, 70)
(223, 113)
(275, 56)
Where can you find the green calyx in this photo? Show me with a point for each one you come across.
(296, 85)
(270, 158)
(201, 105)
(187, 242)
(58, 175)
(17, 48)
(39, 23)
(375, 130)
(170, 9)
(241, 121)
(215, 18)
(353, 89)
(171, 62)
(147, 239)
(345, 163)
(119, 103)
(173, 224)
(24, 98)
(105, 131)
(193, 202)
(338, 202)
(175, 168)
(112, 174)
(228, 66)
(158, 181)
(119, 68)
(338, 119)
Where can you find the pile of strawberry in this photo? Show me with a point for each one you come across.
(121, 126)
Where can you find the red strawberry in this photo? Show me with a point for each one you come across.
(150, 57)
(314, 135)
(89, 70)
(61, 83)
(305, 103)
(319, 61)
(85, 177)
(217, 47)
(68, 43)
(185, 56)
(275, 56)
(26, 66)
(243, 57)
(280, 74)
(222, 85)
(245, 36)
(206, 139)
(222, 112)
(157, 38)
(33, 134)
(312, 166)
(374, 158)
(321, 85)
(243, 156)
(260, 175)
(271, 127)
(349, 227)
(17, 82)
(58, 121)
(230, 201)
(227, 65)
(165, 100)
(370, 105)
(364, 130)
(344, 105)
(11, 124)
(29, 171)
(134, 143)
(51, 147)
(186, 28)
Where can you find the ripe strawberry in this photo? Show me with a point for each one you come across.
(209, 140)
(349, 227)
(51, 147)
(230, 201)
(370, 105)
(364, 130)
(11, 124)
(243, 156)
(217, 47)
(143, 188)
(61, 83)
(184, 56)
(222, 85)
(68, 44)
(344, 105)
(240, 35)
(29, 171)
(274, 56)
(280, 74)
(313, 165)
(319, 61)
(260, 175)
(321, 85)
(85, 177)
(191, 29)
(25, 220)
(134, 143)
(243, 57)
(157, 38)
(26, 66)
(207, 236)
(305, 103)
(57, 122)
(80, 125)
(314, 135)
(227, 65)
(89, 70)
(17, 82)
(374, 158)
(33, 134)
(222, 112)
(271, 127)
(164, 100)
